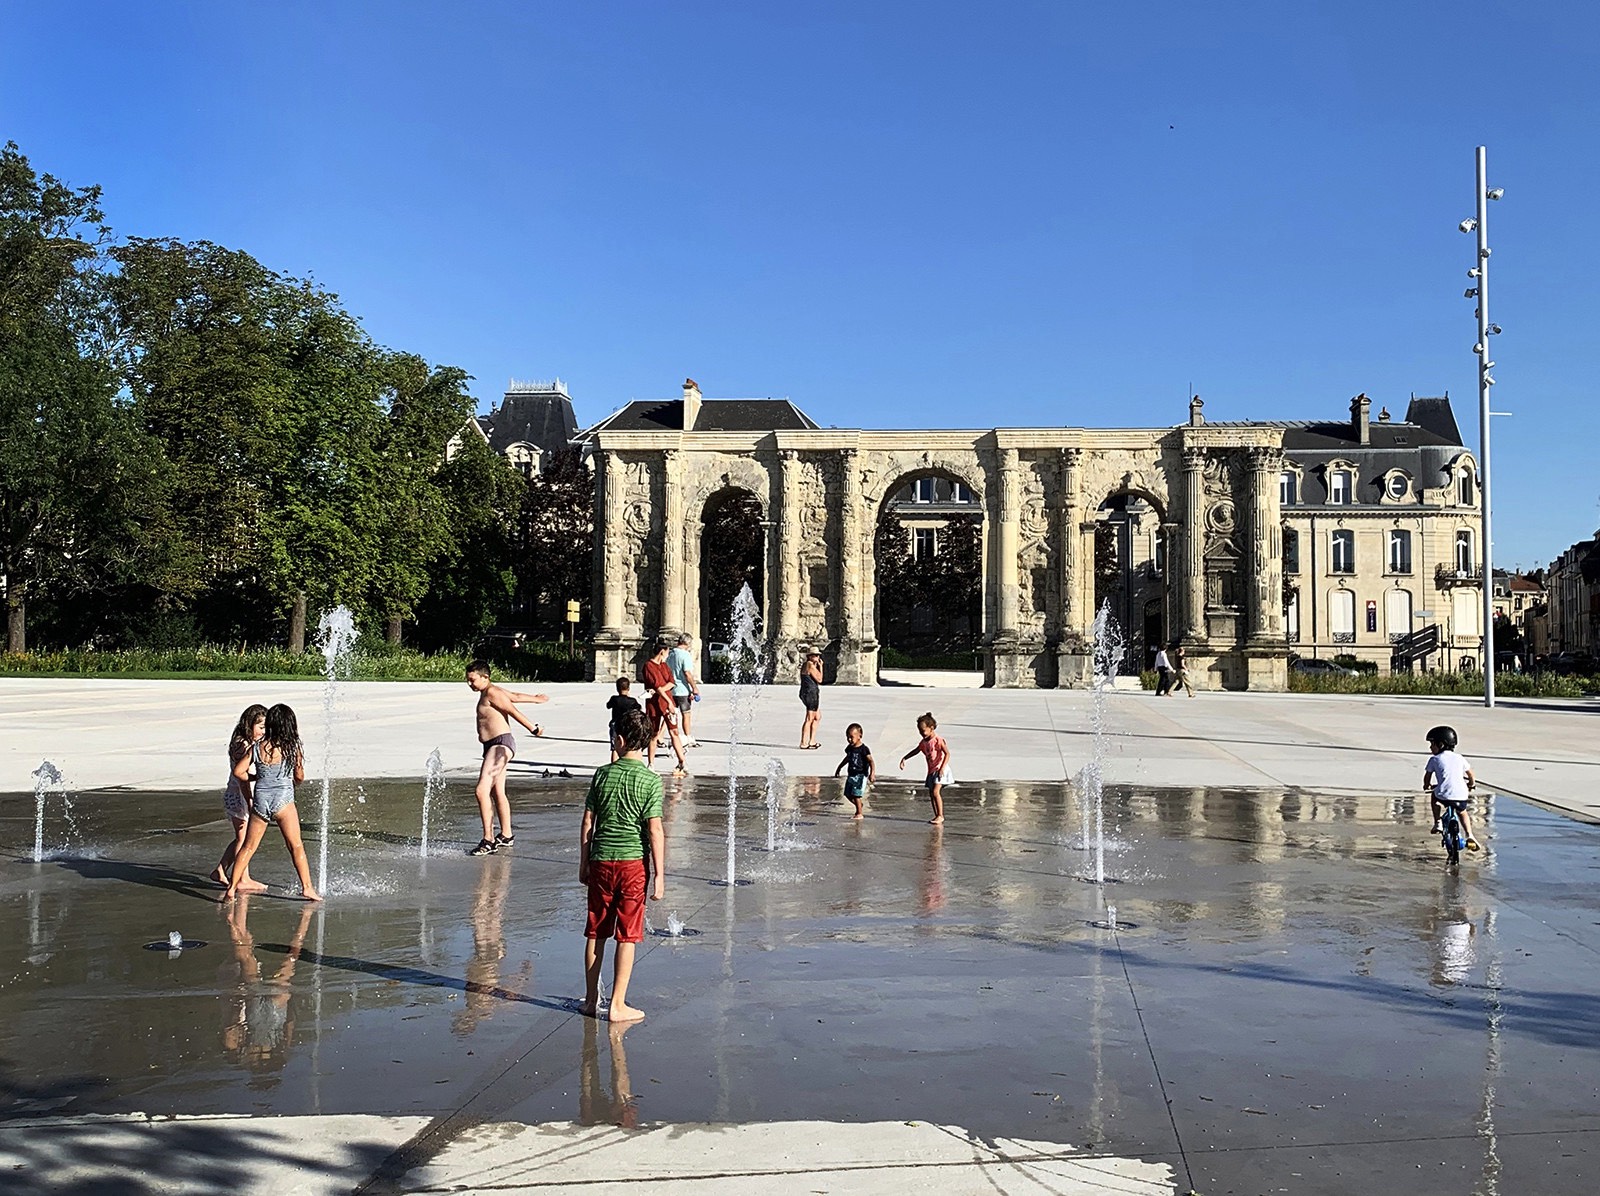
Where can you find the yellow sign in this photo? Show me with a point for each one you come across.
(572, 611)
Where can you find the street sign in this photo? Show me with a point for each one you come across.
(572, 611)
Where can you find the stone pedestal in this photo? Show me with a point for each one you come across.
(616, 654)
(1010, 663)
(1074, 669)
(1267, 668)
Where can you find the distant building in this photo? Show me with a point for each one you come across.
(1381, 527)
(533, 420)
(1572, 584)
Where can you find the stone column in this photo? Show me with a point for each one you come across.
(849, 668)
(1267, 655)
(1266, 564)
(1073, 664)
(672, 574)
(1008, 539)
(788, 559)
(611, 544)
(1194, 548)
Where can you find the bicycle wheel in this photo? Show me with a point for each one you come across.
(1451, 833)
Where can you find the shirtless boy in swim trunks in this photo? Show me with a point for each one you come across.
(496, 707)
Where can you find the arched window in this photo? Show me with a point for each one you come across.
(1466, 488)
(1397, 613)
(1465, 557)
(1344, 552)
(1340, 484)
(1342, 616)
(1399, 551)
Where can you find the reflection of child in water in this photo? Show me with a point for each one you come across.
(261, 1028)
(484, 991)
(596, 1106)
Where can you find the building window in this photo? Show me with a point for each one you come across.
(960, 492)
(1291, 618)
(1339, 487)
(1464, 554)
(1291, 550)
(1342, 616)
(1465, 488)
(922, 490)
(1399, 551)
(1464, 613)
(1344, 552)
(1288, 489)
(924, 543)
(1396, 486)
(1397, 613)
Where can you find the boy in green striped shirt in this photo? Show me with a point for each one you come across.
(621, 824)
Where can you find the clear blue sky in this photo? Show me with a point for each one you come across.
(911, 214)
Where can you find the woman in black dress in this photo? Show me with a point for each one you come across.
(811, 699)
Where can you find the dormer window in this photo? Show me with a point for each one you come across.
(959, 492)
(1288, 489)
(1340, 485)
(1397, 485)
(1466, 490)
(922, 490)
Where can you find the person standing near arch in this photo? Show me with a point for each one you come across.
(685, 686)
(811, 699)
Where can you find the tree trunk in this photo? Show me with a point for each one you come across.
(393, 633)
(297, 624)
(16, 624)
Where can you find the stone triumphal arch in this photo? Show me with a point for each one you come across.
(1202, 499)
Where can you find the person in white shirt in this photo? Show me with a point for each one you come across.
(1448, 777)
(1163, 674)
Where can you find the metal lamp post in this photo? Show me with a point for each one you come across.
(1480, 272)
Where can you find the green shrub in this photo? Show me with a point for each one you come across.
(893, 658)
(1509, 685)
(1149, 679)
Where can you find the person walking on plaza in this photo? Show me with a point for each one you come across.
(661, 707)
(497, 706)
(619, 841)
(1180, 669)
(279, 760)
(938, 755)
(858, 759)
(811, 699)
(618, 705)
(1163, 673)
(685, 686)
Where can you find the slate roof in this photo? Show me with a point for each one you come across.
(716, 415)
(541, 418)
(1422, 446)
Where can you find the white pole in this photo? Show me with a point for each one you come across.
(1484, 363)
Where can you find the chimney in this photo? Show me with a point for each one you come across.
(691, 404)
(1195, 418)
(1383, 415)
(1360, 417)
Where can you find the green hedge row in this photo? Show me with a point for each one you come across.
(371, 662)
(1506, 685)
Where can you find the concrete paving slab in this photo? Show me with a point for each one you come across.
(1298, 995)
(171, 734)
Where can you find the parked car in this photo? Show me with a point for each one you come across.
(716, 651)
(1320, 668)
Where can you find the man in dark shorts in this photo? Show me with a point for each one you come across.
(621, 827)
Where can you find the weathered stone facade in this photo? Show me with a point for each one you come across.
(820, 491)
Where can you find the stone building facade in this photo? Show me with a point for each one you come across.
(1573, 585)
(1211, 489)
(1382, 521)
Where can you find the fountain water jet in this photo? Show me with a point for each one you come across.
(776, 776)
(748, 666)
(1109, 647)
(336, 637)
(47, 782)
(432, 788)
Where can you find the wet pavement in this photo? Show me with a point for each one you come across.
(1298, 995)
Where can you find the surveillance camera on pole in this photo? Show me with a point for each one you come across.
(1480, 225)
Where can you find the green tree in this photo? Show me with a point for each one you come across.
(425, 408)
(475, 579)
(555, 561)
(80, 490)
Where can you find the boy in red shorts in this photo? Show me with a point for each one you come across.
(621, 824)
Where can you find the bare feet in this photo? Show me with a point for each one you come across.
(310, 895)
(221, 877)
(625, 1013)
(939, 821)
(858, 818)
(252, 886)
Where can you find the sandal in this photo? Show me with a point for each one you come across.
(484, 847)
(538, 729)
(503, 841)
(680, 772)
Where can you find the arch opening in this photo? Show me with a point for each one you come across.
(1130, 572)
(928, 570)
(733, 552)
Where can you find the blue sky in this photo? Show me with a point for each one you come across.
(899, 215)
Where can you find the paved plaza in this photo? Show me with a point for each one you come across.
(1289, 992)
